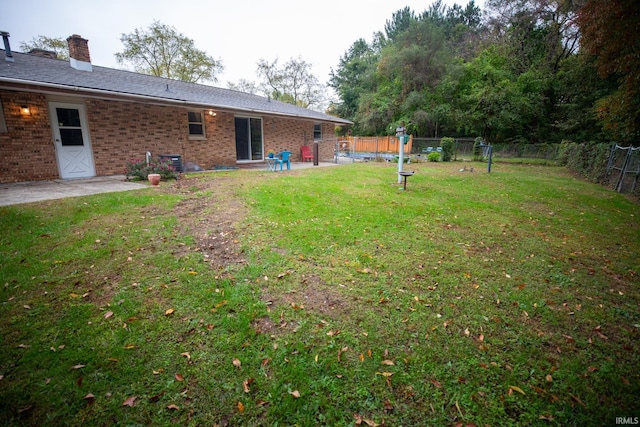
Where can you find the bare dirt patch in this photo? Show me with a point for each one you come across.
(311, 293)
(211, 212)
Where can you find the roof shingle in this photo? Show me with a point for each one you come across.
(36, 70)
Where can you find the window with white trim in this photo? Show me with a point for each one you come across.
(317, 132)
(196, 124)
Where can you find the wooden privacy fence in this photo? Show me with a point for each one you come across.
(373, 144)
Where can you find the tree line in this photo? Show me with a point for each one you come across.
(519, 71)
(532, 71)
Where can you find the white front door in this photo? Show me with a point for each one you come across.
(71, 139)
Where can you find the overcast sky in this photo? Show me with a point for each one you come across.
(239, 32)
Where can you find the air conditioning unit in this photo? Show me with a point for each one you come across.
(176, 160)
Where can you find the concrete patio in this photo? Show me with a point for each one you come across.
(35, 191)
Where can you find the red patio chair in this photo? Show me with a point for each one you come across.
(305, 151)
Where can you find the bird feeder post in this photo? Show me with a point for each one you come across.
(401, 133)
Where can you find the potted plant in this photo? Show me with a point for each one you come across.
(141, 169)
(154, 178)
(271, 153)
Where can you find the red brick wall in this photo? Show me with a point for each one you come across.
(26, 149)
(290, 134)
(120, 131)
(328, 144)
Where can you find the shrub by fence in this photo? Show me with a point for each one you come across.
(588, 160)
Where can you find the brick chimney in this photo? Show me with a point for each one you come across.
(43, 53)
(79, 53)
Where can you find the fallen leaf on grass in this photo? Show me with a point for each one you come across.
(436, 383)
(237, 363)
(513, 388)
(25, 409)
(240, 407)
(156, 397)
(246, 383)
(89, 397)
(388, 362)
(295, 394)
(577, 399)
(186, 354)
(78, 366)
(108, 314)
(549, 378)
(179, 377)
(169, 312)
(173, 407)
(130, 401)
(600, 334)
(360, 420)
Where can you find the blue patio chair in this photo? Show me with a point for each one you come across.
(283, 157)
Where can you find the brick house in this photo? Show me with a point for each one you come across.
(71, 119)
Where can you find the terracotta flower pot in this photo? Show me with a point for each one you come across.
(154, 178)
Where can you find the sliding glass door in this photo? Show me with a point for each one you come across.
(248, 138)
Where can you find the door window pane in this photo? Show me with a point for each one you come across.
(71, 137)
(242, 138)
(256, 139)
(248, 138)
(68, 117)
(69, 125)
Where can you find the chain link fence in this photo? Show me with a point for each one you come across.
(463, 149)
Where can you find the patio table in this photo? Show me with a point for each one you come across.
(271, 163)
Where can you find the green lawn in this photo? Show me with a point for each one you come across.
(325, 296)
